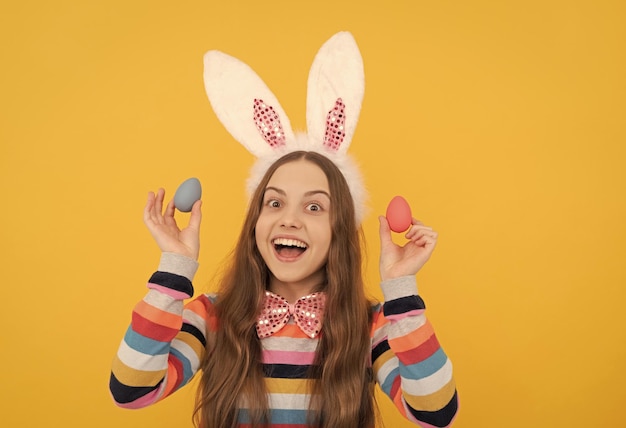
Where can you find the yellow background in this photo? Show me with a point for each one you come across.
(501, 122)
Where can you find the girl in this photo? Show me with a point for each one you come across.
(290, 339)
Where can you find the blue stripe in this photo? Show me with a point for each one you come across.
(424, 368)
(279, 416)
(187, 373)
(387, 383)
(283, 416)
(145, 345)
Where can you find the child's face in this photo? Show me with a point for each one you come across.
(293, 229)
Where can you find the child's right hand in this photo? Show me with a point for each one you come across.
(162, 225)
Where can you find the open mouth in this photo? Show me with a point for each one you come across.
(289, 248)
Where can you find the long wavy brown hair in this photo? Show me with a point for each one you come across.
(232, 375)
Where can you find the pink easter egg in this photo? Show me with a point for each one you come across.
(399, 214)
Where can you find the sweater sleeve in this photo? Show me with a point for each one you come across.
(165, 342)
(408, 362)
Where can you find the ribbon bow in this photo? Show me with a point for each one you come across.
(307, 312)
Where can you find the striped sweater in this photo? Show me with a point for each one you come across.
(165, 343)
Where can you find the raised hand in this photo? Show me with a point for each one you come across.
(396, 260)
(163, 228)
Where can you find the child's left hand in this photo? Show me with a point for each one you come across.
(396, 260)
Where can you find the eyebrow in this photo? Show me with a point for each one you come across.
(307, 194)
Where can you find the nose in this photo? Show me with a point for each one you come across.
(290, 219)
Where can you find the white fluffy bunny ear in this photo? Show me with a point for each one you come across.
(335, 93)
(252, 114)
(245, 105)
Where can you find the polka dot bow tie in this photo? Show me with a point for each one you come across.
(307, 312)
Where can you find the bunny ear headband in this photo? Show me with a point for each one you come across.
(252, 114)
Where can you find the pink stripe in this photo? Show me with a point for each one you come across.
(410, 417)
(397, 317)
(425, 425)
(288, 357)
(141, 402)
(178, 295)
(382, 339)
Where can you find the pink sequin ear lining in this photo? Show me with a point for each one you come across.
(335, 122)
(268, 124)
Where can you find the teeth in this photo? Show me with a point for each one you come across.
(289, 242)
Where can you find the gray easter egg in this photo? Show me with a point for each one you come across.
(187, 194)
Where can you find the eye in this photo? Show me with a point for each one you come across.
(314, 207)
(273, 203)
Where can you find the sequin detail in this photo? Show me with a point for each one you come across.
(307, 312)
(335, 122)
(268, 124)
